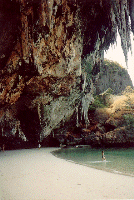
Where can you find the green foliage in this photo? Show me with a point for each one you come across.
(129, 122)
(98, 103)
(87, 65)
(122, 73)
(113, 67)
(107, 92)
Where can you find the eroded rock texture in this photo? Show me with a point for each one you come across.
(113, 76)
(42, 44)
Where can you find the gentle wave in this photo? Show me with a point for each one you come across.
(104, 161)
(119, 161)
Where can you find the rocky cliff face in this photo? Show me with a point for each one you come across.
(113, 76)
(42, 44)
(115, 124)
(110, 126)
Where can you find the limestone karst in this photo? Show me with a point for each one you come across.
(42, 46)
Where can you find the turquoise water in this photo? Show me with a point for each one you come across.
(117, 160)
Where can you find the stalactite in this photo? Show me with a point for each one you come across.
(84, 82)
(86, 101)
(77, 117)
(120, 17)
(40, 120)
(52, 37)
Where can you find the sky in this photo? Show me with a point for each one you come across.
(115, 53)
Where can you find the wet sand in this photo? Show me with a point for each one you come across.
(35, 174)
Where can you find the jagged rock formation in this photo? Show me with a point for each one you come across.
(111, 126)
(115, 124)
(113, 76)
(42, 44)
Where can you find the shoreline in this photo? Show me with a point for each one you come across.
(92, 166)
(39, 175)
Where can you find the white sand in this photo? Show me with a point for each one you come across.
(38, 175)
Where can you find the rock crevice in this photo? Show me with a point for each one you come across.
(42, 47)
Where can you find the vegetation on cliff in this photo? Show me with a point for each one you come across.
(112, 75)
(42, 47)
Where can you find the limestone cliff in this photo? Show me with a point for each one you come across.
(114, 76)
(115, 125)
(110, 126)
(42, 45)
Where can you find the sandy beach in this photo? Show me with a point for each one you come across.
(34, 174)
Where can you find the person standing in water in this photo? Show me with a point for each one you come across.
(3, 147)
(39, 146)
(103, 156)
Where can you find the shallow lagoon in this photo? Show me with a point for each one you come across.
(119, 161)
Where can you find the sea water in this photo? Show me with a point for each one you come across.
(119, 161)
